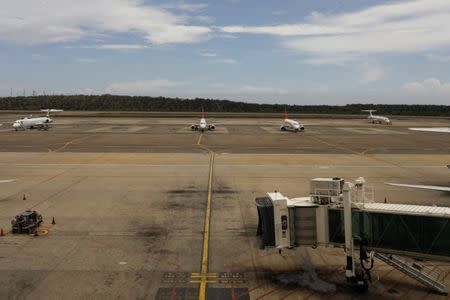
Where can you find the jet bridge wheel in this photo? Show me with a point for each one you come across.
(359, 284)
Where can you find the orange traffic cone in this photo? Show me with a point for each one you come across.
(1, 232)
(24, 197)
(53, 221)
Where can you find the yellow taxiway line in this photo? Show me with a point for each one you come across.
(204, 270)
(199, 139)
(74, 141)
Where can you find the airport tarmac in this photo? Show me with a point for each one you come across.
(173, 135)
(130, 219)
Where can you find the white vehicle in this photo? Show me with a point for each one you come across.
(433, 129)
(203, 125)
(377, 119)
(291, 125)
(41, 123)
(425, 187)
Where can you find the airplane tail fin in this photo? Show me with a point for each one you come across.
(370, 111)
(285, 113)
(203, 113)
(48, 110)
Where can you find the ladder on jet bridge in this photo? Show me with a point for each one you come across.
(426, 275)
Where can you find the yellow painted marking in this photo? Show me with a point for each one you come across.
(70, 143)
(366, 151)
(199, 139)
(204, 269)
(199, 276)
(334, 145)
(203, 281)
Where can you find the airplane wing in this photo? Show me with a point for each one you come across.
(433, 129)
(7, 181)
(425, 187)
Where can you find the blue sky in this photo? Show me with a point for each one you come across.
(297, 52)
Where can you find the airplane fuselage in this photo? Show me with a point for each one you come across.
(291, 125)
(379, 119)
(32, 123)
(203, 125)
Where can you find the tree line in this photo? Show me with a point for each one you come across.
(165, 104)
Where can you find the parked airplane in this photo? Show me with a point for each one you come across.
(41, 123)
(203, 125)
(377, 119)
(433, 129)
(425, 187)
(291, 125)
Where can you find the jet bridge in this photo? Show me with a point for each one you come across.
(340, 213)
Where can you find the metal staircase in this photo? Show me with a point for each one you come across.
(426, 275)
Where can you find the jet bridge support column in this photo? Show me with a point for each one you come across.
(350, 267)
(353, 277)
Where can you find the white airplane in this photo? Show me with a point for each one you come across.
(203, 125)
(41, 123)
(433, 129)
(425, 187)
(291, 125)
(377, 119)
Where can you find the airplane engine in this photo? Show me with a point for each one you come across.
(193, 127)
(283, 128)
(302, 128)
(211, 127)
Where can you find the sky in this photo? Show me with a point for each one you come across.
(295, 52)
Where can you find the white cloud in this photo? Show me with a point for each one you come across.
(54, 21)
(204, 19)
(217, 85)
(86, 60)
(438, 58)
(190, 7)
(208, 54)
(430, 86)
(338, 60)
(278, 12)
(38, 57)
(400, 27)
(255, 89)
(370, 73)
(216, 58)
(228, 61)
(143, 87)
(117, 47)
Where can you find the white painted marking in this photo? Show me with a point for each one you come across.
(369, 130)
(113, 129)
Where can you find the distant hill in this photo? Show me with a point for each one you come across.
(164, 104)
